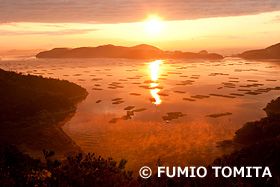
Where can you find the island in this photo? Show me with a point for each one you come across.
(272, 52)
(142, 51)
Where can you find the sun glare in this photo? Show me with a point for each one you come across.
(154, 25)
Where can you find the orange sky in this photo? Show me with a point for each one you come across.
(181, 27)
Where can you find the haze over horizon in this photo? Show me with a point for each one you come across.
(217, 26)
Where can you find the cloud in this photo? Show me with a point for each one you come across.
(118, 11)
(50, 33)
(276, 19)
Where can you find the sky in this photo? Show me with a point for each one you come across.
(225, 26)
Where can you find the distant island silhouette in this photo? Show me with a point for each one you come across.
(272, 52)
(142, 51)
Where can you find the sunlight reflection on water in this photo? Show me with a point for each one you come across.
(154, 66)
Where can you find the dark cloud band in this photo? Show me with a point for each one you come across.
(50, 33)
(119, 11)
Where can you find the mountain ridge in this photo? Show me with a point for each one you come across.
(271, 52)
(142, 51)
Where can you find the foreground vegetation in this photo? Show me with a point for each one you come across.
(17, 169)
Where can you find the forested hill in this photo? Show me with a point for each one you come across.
(32, 110)
(271, 52)
(28, 95)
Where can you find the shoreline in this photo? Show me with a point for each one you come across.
(33, 110)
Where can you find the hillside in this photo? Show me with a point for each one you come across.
(31, 107)
(27, 95)
(272, 52)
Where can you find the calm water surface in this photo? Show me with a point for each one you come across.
(126, 112)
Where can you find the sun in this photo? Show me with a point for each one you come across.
(154, 25)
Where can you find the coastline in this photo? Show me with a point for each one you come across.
(40, 133)
(34, 109)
